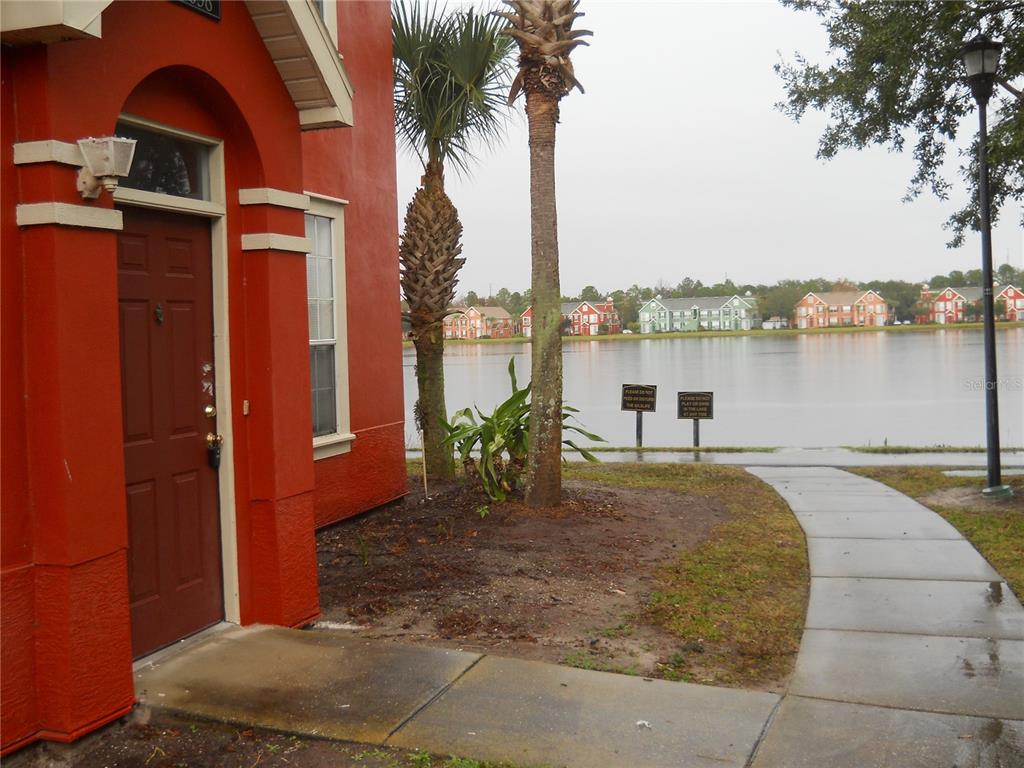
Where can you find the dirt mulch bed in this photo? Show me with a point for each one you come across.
(168, 741)
(566, 584)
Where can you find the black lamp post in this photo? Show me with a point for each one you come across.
(981, 59)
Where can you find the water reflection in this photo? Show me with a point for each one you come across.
(804, 390)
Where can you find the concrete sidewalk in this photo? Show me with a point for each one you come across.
(449, 702)
(912, 657)
(913, 652)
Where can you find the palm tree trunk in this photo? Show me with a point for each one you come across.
(544, 468)
(433, 230)
(437, 458)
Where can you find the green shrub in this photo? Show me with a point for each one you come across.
(494, 448)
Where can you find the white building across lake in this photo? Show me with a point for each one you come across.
(700, 313)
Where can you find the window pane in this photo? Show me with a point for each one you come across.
(323, 237)
(326, 319)
(324, 396)
(310, 276)
(314, 320)
(324, 279)
(167, 164)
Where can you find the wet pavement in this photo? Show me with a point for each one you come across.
(331, 686)
(912, 657)
(533, 713)
(913, 652)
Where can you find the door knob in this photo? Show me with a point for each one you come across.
(210, 411)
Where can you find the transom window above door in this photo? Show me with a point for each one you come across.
(167, 164)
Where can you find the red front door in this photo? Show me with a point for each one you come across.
(166, 319)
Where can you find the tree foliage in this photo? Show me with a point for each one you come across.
(452, 72)
(495, 447)
(776, 299)
(895, 74)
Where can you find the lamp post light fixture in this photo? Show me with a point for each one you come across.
(981, 60)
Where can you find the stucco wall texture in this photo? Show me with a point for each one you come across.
(66, 639)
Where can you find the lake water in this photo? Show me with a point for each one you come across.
(807, 390)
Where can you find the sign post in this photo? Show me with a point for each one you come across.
(696, 406)
(639, 398)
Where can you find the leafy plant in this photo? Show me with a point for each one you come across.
(495, 446)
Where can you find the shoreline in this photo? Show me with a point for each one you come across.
(915, 328)
(867, 449)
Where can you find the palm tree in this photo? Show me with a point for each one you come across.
(543, 30)
(451, 74)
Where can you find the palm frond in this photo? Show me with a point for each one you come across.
(452, 71)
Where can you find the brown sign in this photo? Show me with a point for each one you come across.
(639, 397)
(696, 405)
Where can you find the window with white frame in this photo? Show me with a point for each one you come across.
(328, 350)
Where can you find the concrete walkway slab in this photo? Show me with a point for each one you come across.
(800, 487)
(815, 472)
(916, 524)
(534, 713)
(831, 501)
(952, 608)
(894, 559)
(807, 733)
(312, 683)
(955, 675)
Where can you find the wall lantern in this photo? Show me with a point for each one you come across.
(105, 160)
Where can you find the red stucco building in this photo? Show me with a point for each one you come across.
(964, 303)
(192, 382)
(837, 308)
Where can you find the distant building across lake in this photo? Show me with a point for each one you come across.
(479, 323)
(700, 313)
(580, 318)
(830, 309)
(964, 304)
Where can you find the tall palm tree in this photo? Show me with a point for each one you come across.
(451, 75)
(543, 30)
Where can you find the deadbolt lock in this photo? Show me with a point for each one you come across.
(210, 411)
(213, 447)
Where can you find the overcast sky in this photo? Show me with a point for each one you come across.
(675, 163)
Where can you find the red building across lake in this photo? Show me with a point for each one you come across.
(195, 374)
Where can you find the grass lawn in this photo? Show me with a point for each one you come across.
(995, 528)
(736, 602)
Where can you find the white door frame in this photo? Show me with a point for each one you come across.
(215, 210)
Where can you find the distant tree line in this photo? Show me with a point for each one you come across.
(777, 299)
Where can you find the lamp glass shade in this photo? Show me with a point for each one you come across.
(108, 156)
(981, 56)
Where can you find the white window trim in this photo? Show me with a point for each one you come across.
(341, 441)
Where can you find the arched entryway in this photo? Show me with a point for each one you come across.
(173, 267)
